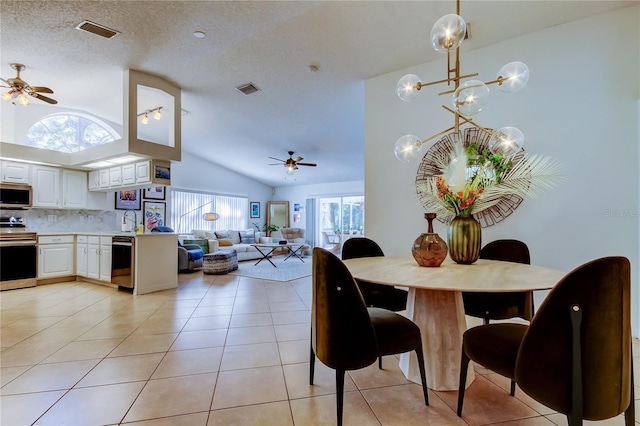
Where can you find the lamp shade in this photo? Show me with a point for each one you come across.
(210, 216)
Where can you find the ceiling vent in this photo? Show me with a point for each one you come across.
(248, 88)
(97, 29)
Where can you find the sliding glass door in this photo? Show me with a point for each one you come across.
(339, 218)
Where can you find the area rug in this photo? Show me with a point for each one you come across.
(288, 270)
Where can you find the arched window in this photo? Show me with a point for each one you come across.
(69, 133)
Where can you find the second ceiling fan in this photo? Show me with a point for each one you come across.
(291, 163)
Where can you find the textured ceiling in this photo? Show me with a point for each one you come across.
(318, 115)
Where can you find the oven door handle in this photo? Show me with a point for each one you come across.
(14, 243)
(117, 243)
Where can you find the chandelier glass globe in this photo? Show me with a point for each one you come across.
(506, 141)
(408, 148)
(407, 89)
(448, 32)
(471, 97)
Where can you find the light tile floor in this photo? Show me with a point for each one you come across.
(219, 350)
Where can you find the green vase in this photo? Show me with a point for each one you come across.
(464, 239)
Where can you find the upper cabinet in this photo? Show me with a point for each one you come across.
(49, 190)
(15, 172)
(133, 175)
(46, 186)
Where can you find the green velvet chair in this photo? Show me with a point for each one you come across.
(575, 356)
(345, 334)
(497, 306)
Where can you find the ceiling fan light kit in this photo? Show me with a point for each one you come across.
(468, 98)
(19, 89)
(291, 164)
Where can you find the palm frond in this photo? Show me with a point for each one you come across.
(530, 176)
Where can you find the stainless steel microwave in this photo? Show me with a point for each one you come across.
(15, 196)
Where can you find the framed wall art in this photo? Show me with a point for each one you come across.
(154, 215)
(154, 193)
(128, 199)
(254, 208)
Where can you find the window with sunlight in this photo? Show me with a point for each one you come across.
(188, 209)
(69, 133)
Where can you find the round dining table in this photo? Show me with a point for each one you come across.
(435, 304)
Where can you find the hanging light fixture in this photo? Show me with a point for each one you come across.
(158, 114)
(468, 97)
(145, 118)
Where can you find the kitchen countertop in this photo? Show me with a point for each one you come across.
(103, 234)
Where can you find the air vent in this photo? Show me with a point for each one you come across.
(248, 88)
(97, 29)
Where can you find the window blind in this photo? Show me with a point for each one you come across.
(187, 209)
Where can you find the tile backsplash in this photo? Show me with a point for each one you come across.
(58, 220)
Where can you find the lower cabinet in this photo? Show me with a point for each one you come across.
(97, 262)
(55, 256)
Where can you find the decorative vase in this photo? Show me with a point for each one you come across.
(429, 249)
(464, 238)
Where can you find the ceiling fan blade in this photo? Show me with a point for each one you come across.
(307, 164)
(274, 164)
(5, 82)
(41, 89)
(298, 158)
(43, 98)
(277, 159)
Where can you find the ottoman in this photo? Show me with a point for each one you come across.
(220, 262)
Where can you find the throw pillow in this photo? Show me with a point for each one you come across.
(222, 234)
(234, 236)
(210, 235)
(247, 237)
(197, 233)
(224, 242)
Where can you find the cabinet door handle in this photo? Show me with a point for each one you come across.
(85, 249)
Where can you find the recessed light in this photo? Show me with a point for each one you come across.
(199, 34)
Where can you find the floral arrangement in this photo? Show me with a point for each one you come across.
(473, 179)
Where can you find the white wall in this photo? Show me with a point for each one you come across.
(580, 106)
(194, 173)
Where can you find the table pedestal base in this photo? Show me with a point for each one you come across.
(440, 316)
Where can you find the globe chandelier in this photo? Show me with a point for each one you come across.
(468, 97)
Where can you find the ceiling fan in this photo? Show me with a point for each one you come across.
(291, 163)
(19, 89)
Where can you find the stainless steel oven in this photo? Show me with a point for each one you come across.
(18, 254)
(123, 261)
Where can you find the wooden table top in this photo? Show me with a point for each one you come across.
(481, 276)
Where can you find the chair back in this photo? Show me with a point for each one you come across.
(544, 363)
(342, 335)
(506, 250)
(358, 247)
(290, 234)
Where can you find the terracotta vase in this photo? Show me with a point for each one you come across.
(464, 239)
(429, 249)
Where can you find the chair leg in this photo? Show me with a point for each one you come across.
(423, 375)
(312, 364)
(630, 412)
(513, 388)
(339, 394)
(380, 362)
(464, 364)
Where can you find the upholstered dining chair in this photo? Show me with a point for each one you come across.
(345, 334)
(575, 356)
(490, 306)
(378, 295)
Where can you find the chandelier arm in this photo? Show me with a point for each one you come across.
(468, 120)
(423, 141)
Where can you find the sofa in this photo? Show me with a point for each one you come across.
(238, 240)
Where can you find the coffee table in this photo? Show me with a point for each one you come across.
(266, 249)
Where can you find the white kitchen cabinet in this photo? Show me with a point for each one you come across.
(94, 180)
(143, 172)
(82, 255)
(99, 258)
(115, 176)
(74, 189)
(128, 174)
(15, 172)
(55, 256)
(103, 178)
(46, 186)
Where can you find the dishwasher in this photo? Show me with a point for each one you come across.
(123, 261)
